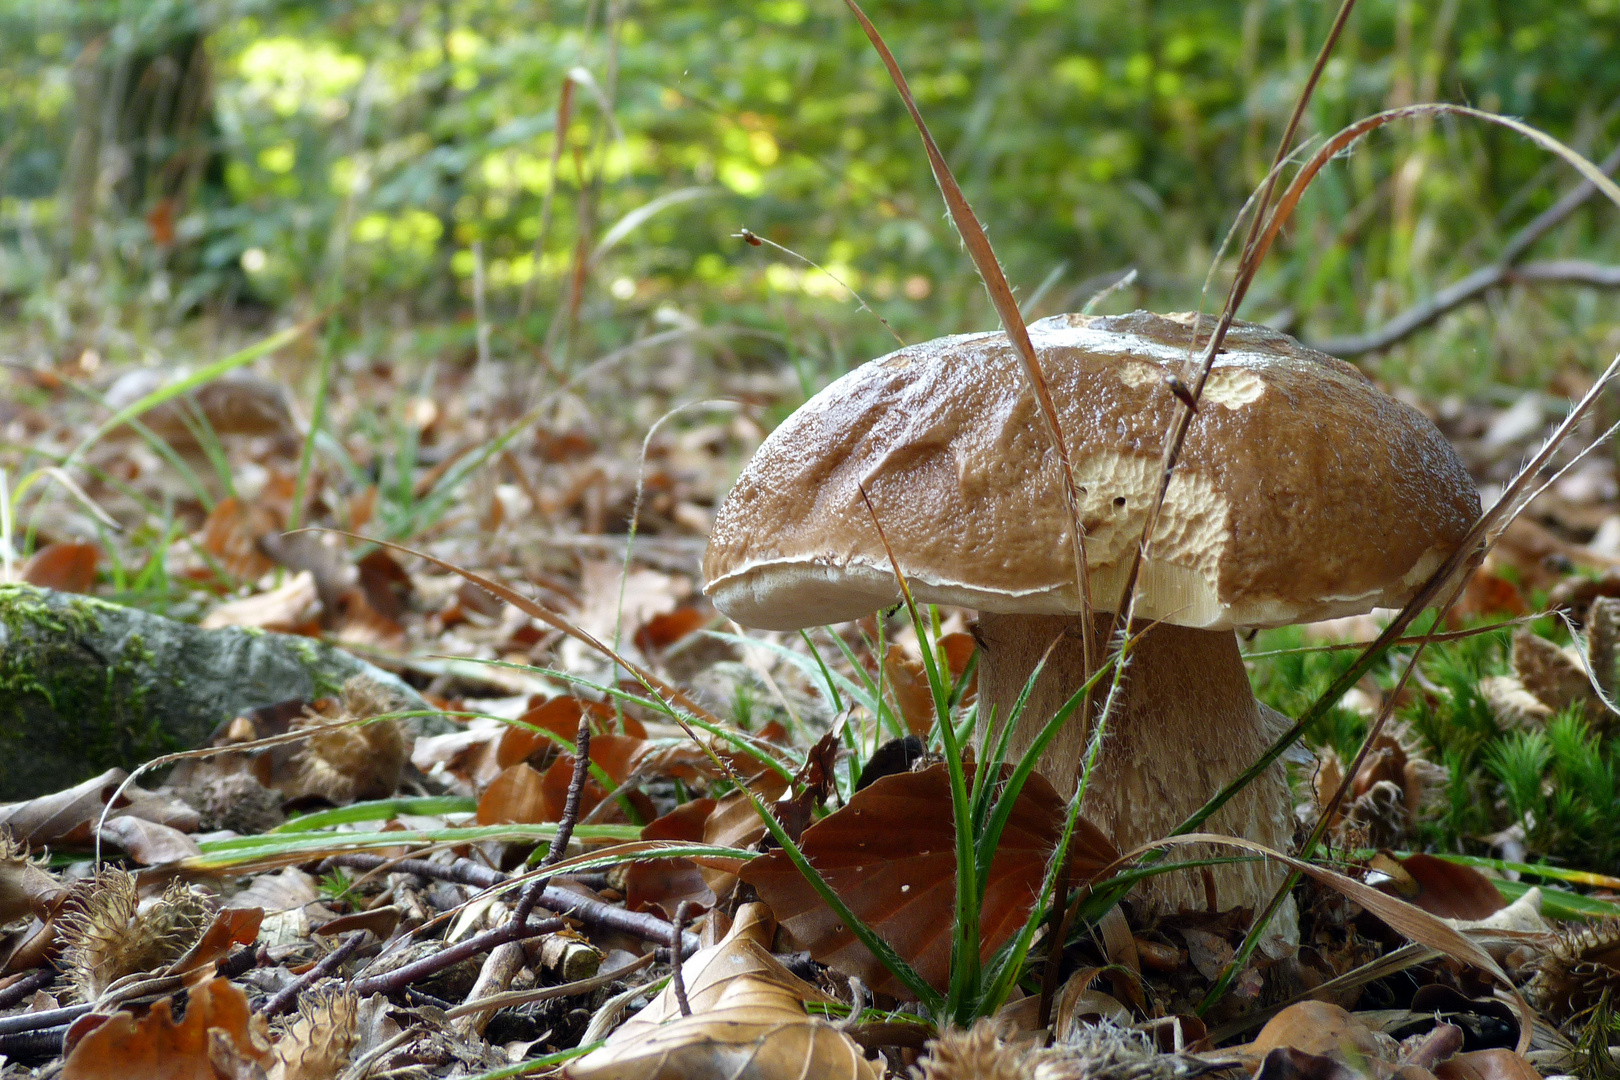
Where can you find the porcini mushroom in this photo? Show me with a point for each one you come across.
(1302, 493)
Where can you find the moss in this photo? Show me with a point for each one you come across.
(319, 667)
(22, 606)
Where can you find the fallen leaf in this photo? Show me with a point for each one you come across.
(664, 883)
(747, 1019)
(909, 684)
(147, 842)
(515, 796)
(890, 855)
(1442, 888)
(154, 1047)
(661, 631)
(66, 567)
(1486, 1065)
(286, 609)
(62, 817)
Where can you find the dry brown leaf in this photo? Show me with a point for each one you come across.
(154, 1047)
(1486, 1065)
(661, 631)
(1441, 888)
(65, 567)
(149, 842)
(747, 1019)
(1317, 1027)
(1557, 679)
(62, 817)
(293, 605)
(734, 823)
(909, 684)
(25, 889)
(232, 534)
(664, 883)
(515, 796)
(890, 855)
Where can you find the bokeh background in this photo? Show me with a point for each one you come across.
(178, 176)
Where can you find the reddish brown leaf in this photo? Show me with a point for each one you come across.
(1486, 1065)
(231, 927)
(890, 855)
(515, 796)
(154, 1047)
(664, 883)
(661, 631)
(958, 650)
(62, 817)
(232, 534)
(909, 683)
(1444, 888)
(66, 567)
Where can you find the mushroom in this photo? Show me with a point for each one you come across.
(1302, 493)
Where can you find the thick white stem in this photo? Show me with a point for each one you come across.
(1185, 724)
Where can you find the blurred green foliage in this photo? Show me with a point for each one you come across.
(170, 158)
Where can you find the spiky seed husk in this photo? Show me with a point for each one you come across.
(1576, 970)
(346, 760)
(320, 1039)
(108, 935)
(1106, 1051)
(979, 1053)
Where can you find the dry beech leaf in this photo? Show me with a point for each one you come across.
(909, 684)
(154, 1047)
(1486, 1065)
(959, 649)
(1441, 888)
(148, 842)
(1405, 919)
(734, 823)
(747, 1019)
(65, 567)
(286, 609)
(515, 796)
(664, 883)
(62, 817)
(1321, 1028)
(661, 631)
(890, 855)
(25, 889)
(1555, 677)
(232, 534)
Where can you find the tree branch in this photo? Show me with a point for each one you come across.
(1504, 271)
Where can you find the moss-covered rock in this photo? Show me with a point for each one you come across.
(86, 685)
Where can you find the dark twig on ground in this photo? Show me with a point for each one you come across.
(466, 872)
(677, 976)
(33, 1021)
(287, 996)
(25, 987)
(390, 982)
(34, 1044)
(1505, 270)
(565, 826)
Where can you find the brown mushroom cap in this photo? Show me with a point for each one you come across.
(1302, 492)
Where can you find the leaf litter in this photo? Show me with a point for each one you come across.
(326, 844)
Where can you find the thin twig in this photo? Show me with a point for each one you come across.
(677, 978)
(638, 924)
(25, 986)
(390, 982)
(1503, 271)
(287, 996)
(565, 827)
